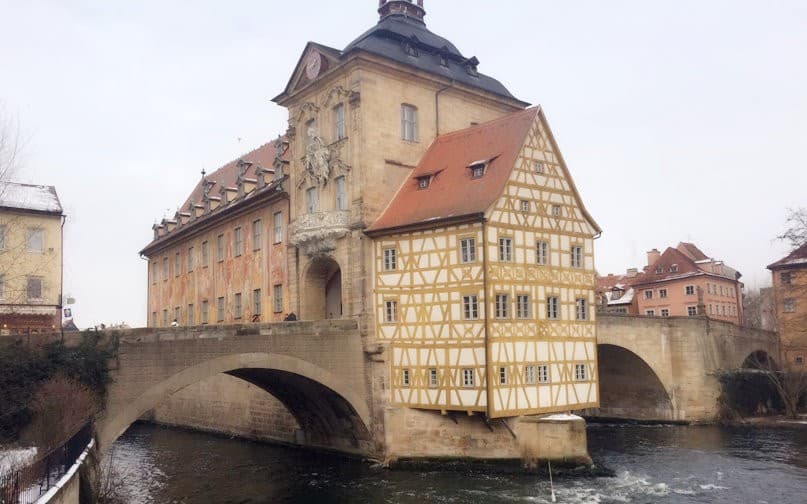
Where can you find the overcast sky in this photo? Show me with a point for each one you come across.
(679, 120)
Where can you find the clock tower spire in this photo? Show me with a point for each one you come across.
(409, 8)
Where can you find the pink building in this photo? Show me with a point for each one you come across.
(685, 282)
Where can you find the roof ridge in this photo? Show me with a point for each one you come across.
(508, 117)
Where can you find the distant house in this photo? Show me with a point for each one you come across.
(681, 281)
(31, 221)
(790, 299)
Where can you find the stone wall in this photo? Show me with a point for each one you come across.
(227, 405)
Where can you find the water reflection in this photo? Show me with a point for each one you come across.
(653, 465)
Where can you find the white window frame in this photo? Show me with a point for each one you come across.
(257, 304)
(205, 314)
(468, 377)
(190, 262)
(665, 312)
(692, 311)
(390, 311)
(277, 222)
(238, 306)
(390, 259)
(277, 298)
(505, 249)
(339, 129)
(205, 254)
(502, 375)
(221, 250)
(542, 253)
(406, 379)
(662, 293)
(552, 308)
(543, 373)
(650, 313)
(529, 375)
(502, 301)
(221, 309)
(580, 372)
(340, 190)
(190, 316)
(311, 200)
(467, 250)
(581, 308)
(525, 205)
(238, 241)
(576, 256)
(434, 380)
(35, 240)
(257, 234)
(470, 307)
(648, 294)
(523, 306)
(689, 290)
(409, 123)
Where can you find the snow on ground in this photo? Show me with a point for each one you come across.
(14, 458)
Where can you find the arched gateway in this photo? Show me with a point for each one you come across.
(314, 369)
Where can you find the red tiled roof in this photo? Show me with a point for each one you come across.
(609, 282)
(796, 258)
(691, 251)
(672, 256)
(226, 175)
(452, 191)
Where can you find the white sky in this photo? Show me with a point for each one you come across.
(679, 120)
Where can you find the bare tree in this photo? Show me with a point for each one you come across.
(10, 144)
(796, 232)
(790, 384)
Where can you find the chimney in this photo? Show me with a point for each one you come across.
(653, 256)
(632, 272)
(409, 8)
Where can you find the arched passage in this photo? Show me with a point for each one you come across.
(331, 414)
(322, 290)
(759, 359)
(629, 388)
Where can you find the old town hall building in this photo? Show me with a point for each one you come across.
(417, 195)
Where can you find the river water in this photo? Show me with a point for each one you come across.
(652, 464)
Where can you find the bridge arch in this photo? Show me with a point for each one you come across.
(630, 387)
(759, 359)
(332, 414)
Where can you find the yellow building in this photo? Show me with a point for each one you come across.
(790, 299)
(31, 221)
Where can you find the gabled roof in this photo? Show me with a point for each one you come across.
(684, 267)
(34, 198)
(691, 251)
(226, 176)
(452, 191)
(797, 258)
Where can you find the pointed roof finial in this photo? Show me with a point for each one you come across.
(409, 8)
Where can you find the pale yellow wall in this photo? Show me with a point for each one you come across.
(17, 263)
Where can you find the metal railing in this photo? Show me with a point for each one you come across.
(24, 485)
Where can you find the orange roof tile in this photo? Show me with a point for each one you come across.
(452, 191)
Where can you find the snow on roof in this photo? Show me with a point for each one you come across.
(29, 197)
(626, 298)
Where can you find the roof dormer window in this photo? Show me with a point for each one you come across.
(471, 67)
(673, 268)
(477, 170)
(410, 48)
(423, 182)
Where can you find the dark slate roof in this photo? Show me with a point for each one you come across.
(389, 36)
(797, 258)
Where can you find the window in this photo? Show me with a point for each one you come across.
(310, 131)
(543, 373)
(220, 248)
(800, 360)
(409, 123)
(580, 372)
(692, 311)
(433, 382)
(788, 305)
(238, 242)
(390, 311)
(552, 308)
(277, 298)
(470, 307)
(165, 268)
(154, 320)
(405, 377)
(502, 302)
(650, 313)
(659, 270)
(665, 312)
(237, 307)
(648, 294)
(786, 277)
(34, 288)
(556, 210)
(529, 375)
(525, 205)
(477, 170)
(165, 318)
(205, 254)
(674, 268)
(423, 182)
(662, 293)
(577, 257)
(542, 252)
(220, 309)
(708, 288)
(689, 290)
(502, 376)
(257, 234)
(190, 259)
(538, 167)
(468, 250)
(191, 321)
(154, 272)
(467, 377)
(177, 314)
(2, 237)
(256, 305)
(35, 241)
(205, 318)
(505, 249)
(311, 200)
(522, 306)
(341, 196)
(339, 122)
(277, 219)
(390, 259)
(582, 309)
(177, 264)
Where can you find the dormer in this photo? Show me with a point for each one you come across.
(228, 194)
(169, 225)
(198, 210)
(472, 66)
(183, 218)
(158, 229)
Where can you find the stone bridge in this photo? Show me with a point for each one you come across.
(664, 368)
(316, 369)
